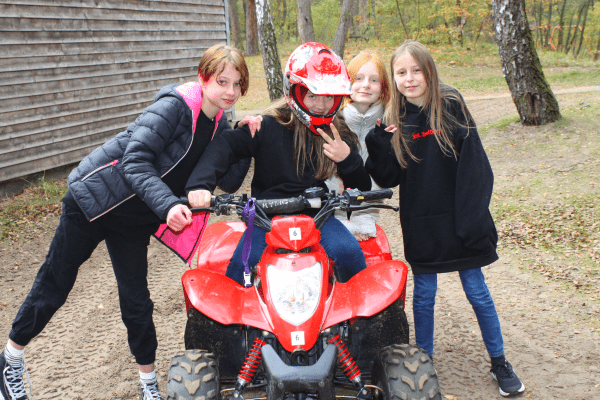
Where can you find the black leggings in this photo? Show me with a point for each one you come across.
(74, 241)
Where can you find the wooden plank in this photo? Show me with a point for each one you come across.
(200, 23)
(93, 93)
(49, 11)
(141, 5)
(95, 37)
(77, 136)
(131, 47)
(33, 63)
(47, 163)
(31, 89)
(74, 73)
(40, 76)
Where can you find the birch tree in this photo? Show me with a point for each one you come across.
(521, 66)
(268, 49)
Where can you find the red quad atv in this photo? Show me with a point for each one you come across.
(296, 332)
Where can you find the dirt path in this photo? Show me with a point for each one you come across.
(83, 353)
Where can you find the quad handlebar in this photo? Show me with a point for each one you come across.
(350, 200)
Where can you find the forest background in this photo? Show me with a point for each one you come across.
(565, 26)
(459, 33)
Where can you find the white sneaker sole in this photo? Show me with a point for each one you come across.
(503, 393)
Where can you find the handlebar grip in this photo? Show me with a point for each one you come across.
(184, 200)
(376, 195)
(284, 206)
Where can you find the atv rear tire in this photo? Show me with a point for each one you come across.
(194, 374)
(406, 372)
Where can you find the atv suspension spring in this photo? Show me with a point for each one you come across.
(346, 360)
(252, 361)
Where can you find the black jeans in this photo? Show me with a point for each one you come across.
(74, 241)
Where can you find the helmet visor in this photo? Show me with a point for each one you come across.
(299, 93)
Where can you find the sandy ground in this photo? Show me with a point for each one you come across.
(83, 352)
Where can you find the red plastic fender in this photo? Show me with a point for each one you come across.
(367, 293)
(223, 300)
(218, 244)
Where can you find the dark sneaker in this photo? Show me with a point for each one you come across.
(150, 391)
(11, 387)
(508, 382)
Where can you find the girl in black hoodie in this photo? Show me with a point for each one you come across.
(446, 181)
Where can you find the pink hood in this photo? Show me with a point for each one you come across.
(186, 242)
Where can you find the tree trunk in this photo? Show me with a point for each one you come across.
(234, 23)
(568, 41)
(251, 29)
(597, 48)
(548, 25)
(305, 23)
(268, 49)
(374, 19)
(561, 24)
(402, 19)
(339, 42)
(574, 39)
(587, 6)
(284, 21)
(521, 66)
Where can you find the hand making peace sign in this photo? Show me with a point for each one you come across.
(334, 148)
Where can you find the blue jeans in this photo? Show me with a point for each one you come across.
(338, 242)
(477, 292)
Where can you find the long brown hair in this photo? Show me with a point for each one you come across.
(323, 165)
(437, 95)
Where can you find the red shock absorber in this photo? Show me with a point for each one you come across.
(252, 361)
(346, 360)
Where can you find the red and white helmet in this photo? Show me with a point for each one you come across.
(315, 67)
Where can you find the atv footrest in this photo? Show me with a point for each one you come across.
(283, 378)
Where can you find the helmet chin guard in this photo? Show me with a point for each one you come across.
(315, 67)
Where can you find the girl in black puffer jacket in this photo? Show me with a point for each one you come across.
(120, 194)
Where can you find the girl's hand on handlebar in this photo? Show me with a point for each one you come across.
(334, 148)
(199, 198)
(179, 217)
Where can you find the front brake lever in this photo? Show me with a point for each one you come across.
(384, 206)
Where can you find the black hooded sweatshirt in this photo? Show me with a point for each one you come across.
(444, 200)
(275, 175)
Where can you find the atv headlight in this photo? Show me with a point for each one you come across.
(295, 295)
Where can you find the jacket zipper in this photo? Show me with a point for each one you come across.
(162, 176)
(110, 164)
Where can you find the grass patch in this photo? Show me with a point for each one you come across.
(20, 215)
(504, 122)
(546, 201)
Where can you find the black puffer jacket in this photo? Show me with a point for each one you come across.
(133, 162)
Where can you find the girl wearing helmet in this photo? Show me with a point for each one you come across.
(300, 144)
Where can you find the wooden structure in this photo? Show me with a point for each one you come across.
(74, 73)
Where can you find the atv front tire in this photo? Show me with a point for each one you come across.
(193, 374)
(406, 372)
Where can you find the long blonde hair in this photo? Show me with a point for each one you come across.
(437, 95)
(323, 165)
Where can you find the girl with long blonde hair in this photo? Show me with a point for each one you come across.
(446, 181)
